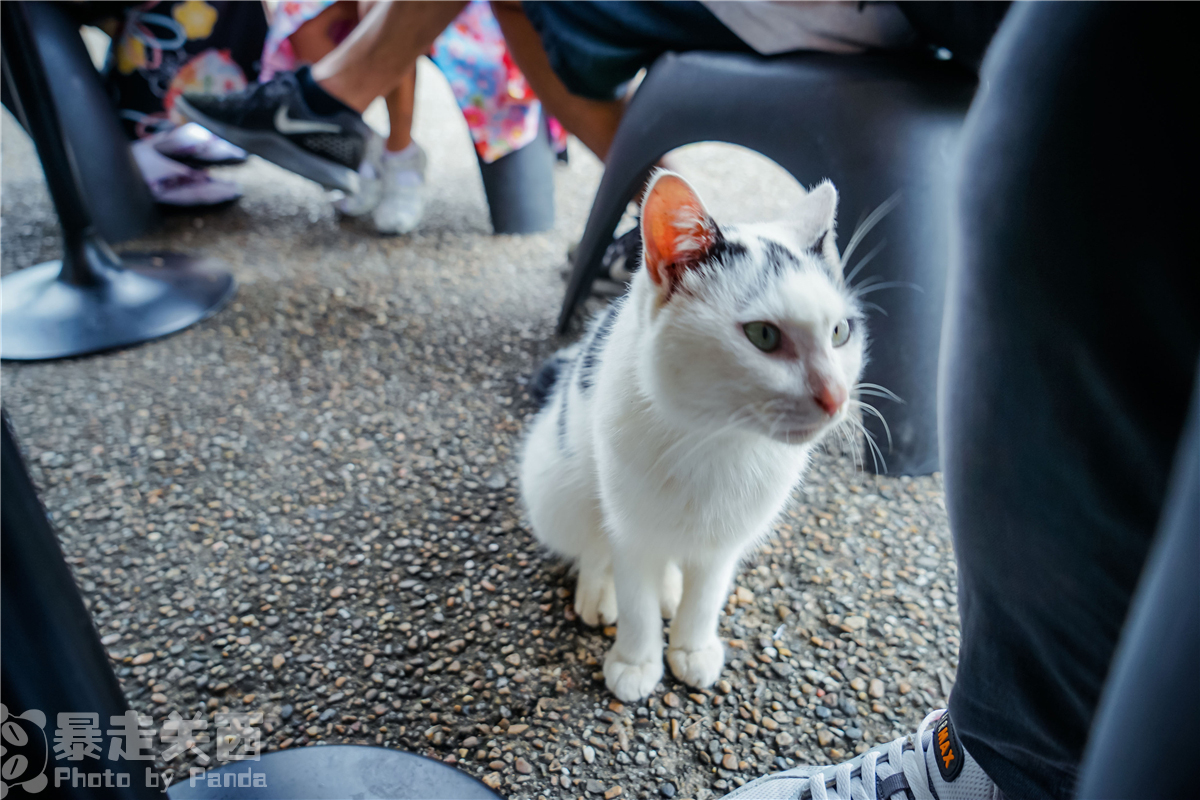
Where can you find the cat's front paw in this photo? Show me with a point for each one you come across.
(699, 668)
(596, 598)
(631, 681)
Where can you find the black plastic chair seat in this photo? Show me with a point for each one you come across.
(878, 126)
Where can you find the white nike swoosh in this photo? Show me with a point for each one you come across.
(286, 125)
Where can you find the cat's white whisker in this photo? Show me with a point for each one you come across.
(876, 454)
(875, 287)
(856, 455)
(873, 393)
(876, 306)
(883, 390)
(873, 219)
(862, 262)
(875, 412)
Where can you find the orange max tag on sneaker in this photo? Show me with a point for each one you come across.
(948, 750)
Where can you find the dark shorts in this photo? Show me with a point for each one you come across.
(596, 48)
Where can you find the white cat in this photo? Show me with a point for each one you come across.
(678, 426)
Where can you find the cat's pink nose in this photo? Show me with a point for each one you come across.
(830, 398)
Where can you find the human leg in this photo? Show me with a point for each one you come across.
(1070, 343)
(309, 121)
(1151, 692)
(594, 122)
(578, 57)
(400, 104)
(1069, 354)
(317, 37)
(402, 166)
(382, 50)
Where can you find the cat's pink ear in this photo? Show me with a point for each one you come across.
(677, 231)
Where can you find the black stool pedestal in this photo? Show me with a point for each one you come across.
(332, 772)
(91, 300)
(120, 302)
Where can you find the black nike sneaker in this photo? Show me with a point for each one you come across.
(273, 120)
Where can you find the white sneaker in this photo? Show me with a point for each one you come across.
(403, 202)
(370, 182)
(930, 765)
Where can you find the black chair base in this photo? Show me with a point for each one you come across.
(123, 302)
(334, 771)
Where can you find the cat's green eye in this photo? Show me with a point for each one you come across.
(841, 332)
(763, 335)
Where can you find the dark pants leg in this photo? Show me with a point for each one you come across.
(596, 48)
(1152, 697)
(1071, 341)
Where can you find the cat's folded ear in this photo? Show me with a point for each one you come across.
(817, 219)
(677, 231)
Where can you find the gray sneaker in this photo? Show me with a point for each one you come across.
(272, 120)
(928, 765)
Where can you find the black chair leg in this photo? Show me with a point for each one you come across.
(91, 300)
(520, 187)
(116, 195)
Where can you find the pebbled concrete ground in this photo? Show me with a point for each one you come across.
(305, 507)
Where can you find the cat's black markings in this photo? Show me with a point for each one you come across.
(546, 378)
(591, 352)
(562, 411)
(725, 252)
(778, 257)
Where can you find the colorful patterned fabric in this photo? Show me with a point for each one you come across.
(501, 111)
(162, 49)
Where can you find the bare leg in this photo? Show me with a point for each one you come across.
(382, 50)
(317, 37)
(400, 103)
(594, 122)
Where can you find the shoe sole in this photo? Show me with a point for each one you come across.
(278, 150)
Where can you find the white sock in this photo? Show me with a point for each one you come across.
(407, 152)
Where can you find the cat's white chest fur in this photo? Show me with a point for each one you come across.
(678, 426)
(698, 490)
